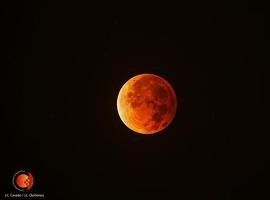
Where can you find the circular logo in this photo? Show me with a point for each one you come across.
(23, 180)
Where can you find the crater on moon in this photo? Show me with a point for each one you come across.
(146, 103)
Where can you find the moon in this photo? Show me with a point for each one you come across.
(146, 103)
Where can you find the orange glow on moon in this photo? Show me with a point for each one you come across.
(147, 103)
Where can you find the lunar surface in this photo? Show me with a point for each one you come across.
(147, 103)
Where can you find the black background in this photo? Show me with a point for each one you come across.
(66, 63)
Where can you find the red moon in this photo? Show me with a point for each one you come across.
(147, 103)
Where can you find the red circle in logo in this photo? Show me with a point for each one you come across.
(23, 181)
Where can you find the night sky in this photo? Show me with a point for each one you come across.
(66, 63)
